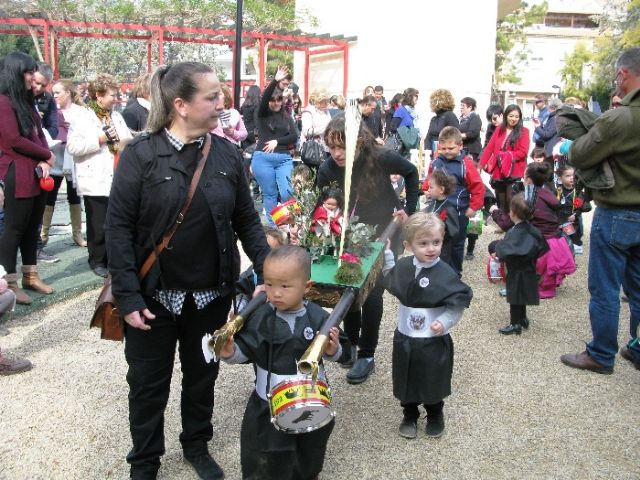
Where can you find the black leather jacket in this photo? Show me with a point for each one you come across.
(149, 188)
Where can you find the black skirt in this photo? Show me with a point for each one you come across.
(422, 368)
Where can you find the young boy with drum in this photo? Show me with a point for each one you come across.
(273, 339)
(432, 299)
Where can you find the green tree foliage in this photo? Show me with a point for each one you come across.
(82, 58)
(574, 71)
(511, 40)
(619, 30)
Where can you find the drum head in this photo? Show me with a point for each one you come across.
(304, 418)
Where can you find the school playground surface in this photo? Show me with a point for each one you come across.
(515, 412)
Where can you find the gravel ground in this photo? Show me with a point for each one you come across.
(515, 411)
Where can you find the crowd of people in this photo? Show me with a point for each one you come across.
(180, 145)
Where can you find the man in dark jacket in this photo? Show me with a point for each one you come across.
(615, 236)
(45, 104)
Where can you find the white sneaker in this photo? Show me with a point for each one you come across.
(577, 249)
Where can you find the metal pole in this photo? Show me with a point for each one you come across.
(237, 58)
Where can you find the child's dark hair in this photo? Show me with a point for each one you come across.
(331, 192)
(538, 152)
(448, 183)
(563, 169)
(273, 232)
(520, 207)
(302, 171)
(295, 254)
(539, 173)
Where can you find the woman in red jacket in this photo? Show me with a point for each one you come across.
(23, 151)
(505, 157)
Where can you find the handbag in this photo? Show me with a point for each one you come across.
(107, 315)
(394, 143)
(312, 151)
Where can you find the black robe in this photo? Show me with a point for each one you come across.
(522, 245)
(265, 451)
(422, 367)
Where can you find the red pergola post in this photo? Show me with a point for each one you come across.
(307, 59)
(160, 46)
(149, 54)
(262, 62)
(56, 68)
(47, 53)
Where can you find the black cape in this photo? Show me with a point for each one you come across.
(422, 367)
(521, 247)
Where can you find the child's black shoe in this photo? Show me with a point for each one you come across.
(435, 425)
(408, 428)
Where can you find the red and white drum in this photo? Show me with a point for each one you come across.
(300, 406)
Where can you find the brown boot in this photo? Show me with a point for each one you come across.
(17, 365)
(31, 280)
(46, 224)
(76, 225)
(21, 297)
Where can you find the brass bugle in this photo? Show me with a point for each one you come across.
(308, 363)
(234, 325)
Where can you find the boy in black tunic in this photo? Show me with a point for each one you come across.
(273, 339)
(432, 299)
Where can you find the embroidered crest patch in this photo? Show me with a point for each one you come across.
(308, 333)
(424, 282)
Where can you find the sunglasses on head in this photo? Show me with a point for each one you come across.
(276, 99)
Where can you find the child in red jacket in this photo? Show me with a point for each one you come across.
(468, 196)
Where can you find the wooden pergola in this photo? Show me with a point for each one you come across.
(156, 35)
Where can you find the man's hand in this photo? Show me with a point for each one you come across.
(228, 348)
(139, 321)
(470, 213)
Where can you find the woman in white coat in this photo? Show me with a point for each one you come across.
(315, 118)
(95, 141)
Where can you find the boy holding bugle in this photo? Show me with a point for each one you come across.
(273, 339)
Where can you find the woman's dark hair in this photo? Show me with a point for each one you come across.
(409, 96)
(494, 109)
(470, 102)
(396, 101)
(447, 182)
(517, 130)
(332, 192)
(252, 98)
(12, 70)
(168, 83)
(366, 163)
(538, 172)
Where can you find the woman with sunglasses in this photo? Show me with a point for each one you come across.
(277, 135)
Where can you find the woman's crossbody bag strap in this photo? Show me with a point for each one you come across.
(153, 256)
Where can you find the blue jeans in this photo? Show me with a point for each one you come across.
(614, 260)
(273, 174)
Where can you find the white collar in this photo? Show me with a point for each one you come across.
(418, 264)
